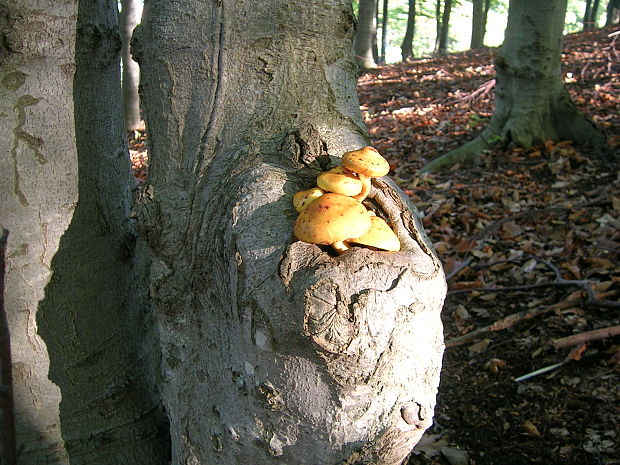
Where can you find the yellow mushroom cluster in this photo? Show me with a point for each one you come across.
(333, 214)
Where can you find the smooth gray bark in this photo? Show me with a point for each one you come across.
(366, 31)
(531, 102)
(38, 179)
(128, 18)
(84, 354)
(274, 351)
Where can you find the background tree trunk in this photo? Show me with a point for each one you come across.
(366, 30)
(590, 15)
(384, 29)
(613, 13)
(407, 46)
(478, 24)
(587, 16)
(84, 359)
(531, 102)
(128, 18)
(442, 46)
(273, 350)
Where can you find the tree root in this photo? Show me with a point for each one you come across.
(488, 139)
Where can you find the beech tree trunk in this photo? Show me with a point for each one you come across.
(366, 32)
(478, 25)
(275, 351)
(384, 29)
(613, 13)
(531, 102)
(128, 18)
(442, 43)
(83, 351)
(407, 46)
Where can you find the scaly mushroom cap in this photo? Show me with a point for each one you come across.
(303, 198)
(339, 182)
(380, 236)
(367, 161)
(331, 218)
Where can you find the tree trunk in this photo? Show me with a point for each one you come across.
(442, 47)
(366, 30)
(128, 18)
(82, 352)
(587, 16)
(595, 7)
(274, 351)
(613, 13)
(384, 28)
(8, 446)
(407, 46)
(35, 69)
(478, 24)
(531, 102)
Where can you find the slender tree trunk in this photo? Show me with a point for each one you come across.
(478, 24)
(407, 46)
(442, 47)
(595, 7)
(613, 13)
(128, 18)
(437, 24)
(587, 16)
(274, 351)
(531, 102)
(366, 30)
(82, 353)
(384, 28)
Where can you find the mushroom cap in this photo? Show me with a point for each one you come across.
(303, 198)
(380, 236)
(367, 161)
(339, 182)
(331, 218)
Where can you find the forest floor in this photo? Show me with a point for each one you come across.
(530, 241)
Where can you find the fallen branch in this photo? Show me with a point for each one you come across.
(586, 286)
(593, 335)
(482, 90)
(506, 323)
(459, 268)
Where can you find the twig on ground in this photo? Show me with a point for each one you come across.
(483, 89)
(506, 323)
(584, 285)
(587, 336)
(459, 268)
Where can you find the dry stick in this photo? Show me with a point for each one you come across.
(506, 323)
(459, 268)
(593, 335)
(514, 318)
